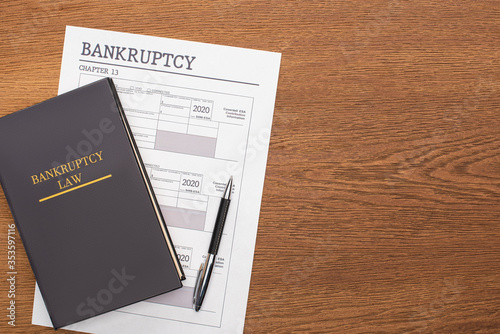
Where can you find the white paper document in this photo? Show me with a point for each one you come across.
(199, 114)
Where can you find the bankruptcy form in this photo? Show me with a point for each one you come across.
(199, 113)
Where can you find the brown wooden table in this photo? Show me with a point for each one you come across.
(381, 207)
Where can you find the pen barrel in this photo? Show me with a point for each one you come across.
(219, 226)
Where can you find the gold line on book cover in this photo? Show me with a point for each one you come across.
(75, 188)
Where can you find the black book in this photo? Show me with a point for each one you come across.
(83, 205)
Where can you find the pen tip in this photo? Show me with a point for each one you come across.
(197, 308)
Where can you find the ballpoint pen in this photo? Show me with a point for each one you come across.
(206, 268)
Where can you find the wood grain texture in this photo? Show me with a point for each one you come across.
(381, 207)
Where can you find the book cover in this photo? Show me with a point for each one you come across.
(83, 205)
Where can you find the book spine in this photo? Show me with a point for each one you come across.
(147, 183)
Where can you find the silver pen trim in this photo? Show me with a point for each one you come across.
(197, 284)
(229, 189)
(202, 281)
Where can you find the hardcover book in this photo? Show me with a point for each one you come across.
(83, 205)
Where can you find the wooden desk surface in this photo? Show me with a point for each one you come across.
(381, 207)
